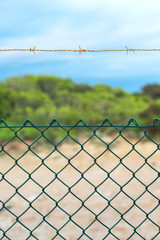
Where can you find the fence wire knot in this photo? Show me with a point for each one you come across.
(129, 49)
(33, 49)
(81, 50)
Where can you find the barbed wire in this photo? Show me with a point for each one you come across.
(80, 50)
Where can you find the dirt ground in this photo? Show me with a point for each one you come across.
(58, 197)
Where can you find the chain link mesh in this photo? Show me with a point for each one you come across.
(80, 181)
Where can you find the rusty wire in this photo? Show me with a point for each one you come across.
(80, 50)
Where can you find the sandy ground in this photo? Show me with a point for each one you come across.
(119, 202)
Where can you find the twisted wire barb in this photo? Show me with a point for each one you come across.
(80, 50)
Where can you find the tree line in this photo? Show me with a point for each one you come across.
(42, 98)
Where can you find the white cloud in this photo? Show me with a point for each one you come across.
(110, 23)
(92, 24)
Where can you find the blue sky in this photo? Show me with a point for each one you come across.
(92, 24)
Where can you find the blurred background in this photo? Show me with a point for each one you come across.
(92, 24)
(117, 168)
(37, 87)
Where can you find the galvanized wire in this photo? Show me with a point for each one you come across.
(80, 50)
(109, 203)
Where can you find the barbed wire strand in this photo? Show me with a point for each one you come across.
(80, 50)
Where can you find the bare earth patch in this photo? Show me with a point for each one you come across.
(80, 206)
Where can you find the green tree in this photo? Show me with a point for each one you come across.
(152, 91)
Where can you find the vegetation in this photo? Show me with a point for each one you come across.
(42, 98)
(151, 90)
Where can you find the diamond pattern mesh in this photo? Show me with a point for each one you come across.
(80, 181)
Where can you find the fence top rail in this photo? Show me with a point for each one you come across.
(80, 50)
(132, 123)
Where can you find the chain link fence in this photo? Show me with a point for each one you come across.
(80, 181)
